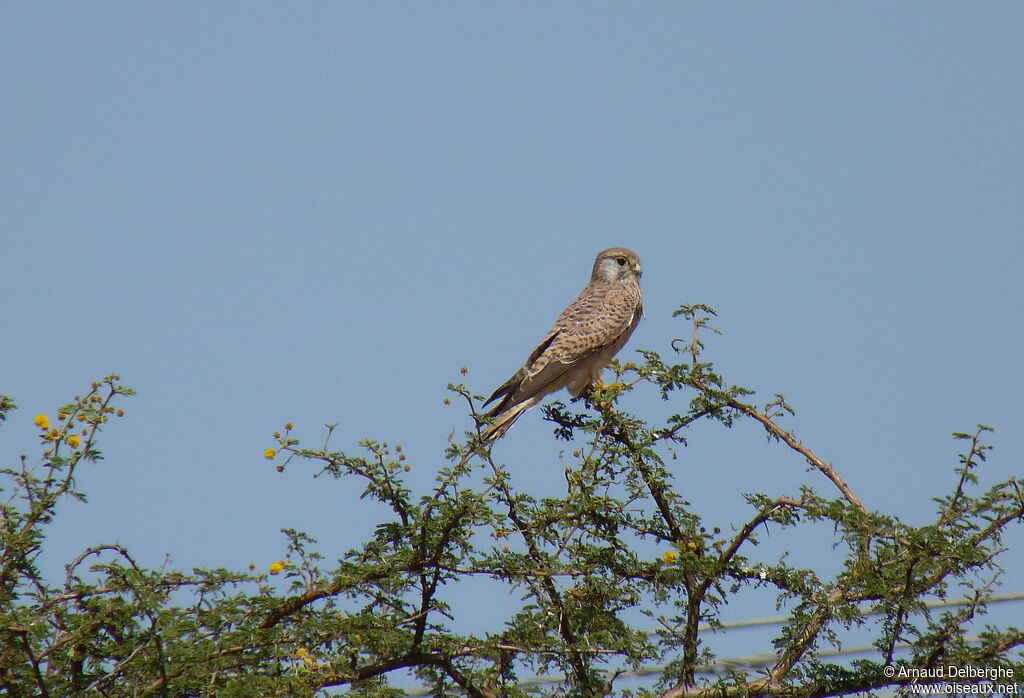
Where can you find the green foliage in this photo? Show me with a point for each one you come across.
(575, 559)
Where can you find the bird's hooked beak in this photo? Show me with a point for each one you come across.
(636, 269)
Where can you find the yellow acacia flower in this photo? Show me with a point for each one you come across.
(288, 426)
(74, 441)
(691, 546)
(670, 557)
(42, 421)
(276, 567)
(303, 654)
(269, 454)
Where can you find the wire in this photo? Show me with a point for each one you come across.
(762, 659)
(779, 620)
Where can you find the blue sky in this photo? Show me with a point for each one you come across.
(317, 212)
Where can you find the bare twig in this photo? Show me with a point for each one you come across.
(787, 437)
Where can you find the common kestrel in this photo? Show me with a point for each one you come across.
(582, 341)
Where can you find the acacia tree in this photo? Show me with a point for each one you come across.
(114, 628)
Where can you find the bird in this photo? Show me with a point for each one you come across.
(581, 343)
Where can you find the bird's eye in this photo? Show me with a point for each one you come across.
(621, 261)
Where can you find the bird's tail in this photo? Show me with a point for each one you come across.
(506, 418)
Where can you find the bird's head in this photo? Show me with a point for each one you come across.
(616, 264)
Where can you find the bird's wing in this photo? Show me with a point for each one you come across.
(595, 320)
(509, 386)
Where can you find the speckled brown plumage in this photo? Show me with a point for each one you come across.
(582, 341)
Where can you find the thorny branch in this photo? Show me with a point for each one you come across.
(384, 610)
